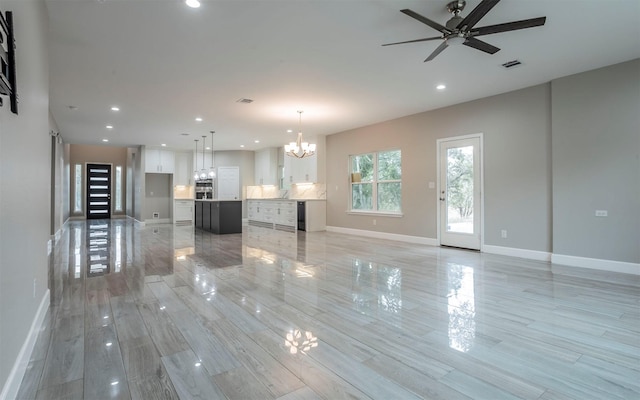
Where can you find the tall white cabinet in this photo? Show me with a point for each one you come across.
(266, 166)
(159, 161)
(183, 174)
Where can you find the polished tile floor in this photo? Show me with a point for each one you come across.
(163, 312)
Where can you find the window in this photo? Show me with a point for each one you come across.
(118, 179)
(376, 182)
(77, 203)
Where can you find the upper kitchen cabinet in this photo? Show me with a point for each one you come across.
(159, 161)
(306, 170)
(183, 174)
(266, 166)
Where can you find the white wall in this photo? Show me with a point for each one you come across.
(25, 152)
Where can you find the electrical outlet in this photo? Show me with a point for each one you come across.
(503, 233)
(156, 215)
(601, 213)
(375, 222)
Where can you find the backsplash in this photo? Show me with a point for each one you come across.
(306, 191)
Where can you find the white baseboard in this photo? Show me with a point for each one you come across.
(594, 263)
(572, 261)
(515, 252)
(157, 221)
(384, 235)
(12, 385)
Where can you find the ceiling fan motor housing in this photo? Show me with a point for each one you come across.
(455, 7)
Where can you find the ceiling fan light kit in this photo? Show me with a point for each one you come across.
(459, 30)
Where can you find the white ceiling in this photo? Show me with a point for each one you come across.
(164, 64)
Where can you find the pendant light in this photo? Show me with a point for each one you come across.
(212, 170)
(300, 149)
(196, 176)
(203, 172)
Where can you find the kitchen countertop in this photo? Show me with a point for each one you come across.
(217, 200)
(278, 199)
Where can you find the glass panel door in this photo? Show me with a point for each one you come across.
(459, 195)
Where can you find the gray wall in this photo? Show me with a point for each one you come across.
(516, 129)
(553, 154)
(596, 163)
(25, 210)
(158, 196)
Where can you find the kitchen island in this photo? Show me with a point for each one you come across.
(219, 216)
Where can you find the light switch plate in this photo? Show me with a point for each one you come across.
(432, 185)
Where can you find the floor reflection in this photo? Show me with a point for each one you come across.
(461, 307)
(298, 341)
(376, 288)
(98, 240)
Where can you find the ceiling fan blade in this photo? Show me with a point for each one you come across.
(426, 21)
(437, 51)
(480, 45)
(476, 15)
(508, 26)
(414, 41)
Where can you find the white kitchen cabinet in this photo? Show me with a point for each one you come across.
(276, 213)
(266, 166)
(159, 161)
(300, 170)
(183, 174)
(183, 211)
(305, 170)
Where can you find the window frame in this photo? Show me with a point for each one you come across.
(78, 187)
(374, 185)
(118, 186)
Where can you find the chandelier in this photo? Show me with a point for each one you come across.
(300, 149)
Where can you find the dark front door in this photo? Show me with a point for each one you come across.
(98, 191)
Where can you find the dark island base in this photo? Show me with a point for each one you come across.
(219, 217)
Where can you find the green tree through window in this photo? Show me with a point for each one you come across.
(378, 187)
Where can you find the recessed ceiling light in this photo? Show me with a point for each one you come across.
(115, 108)
(441, 87)
(163, 145)
(105, 140)
(256, 141)
(192, 3)
(109, 127)
(207, 148)
(241, 145)
(198, 119)
(289, 130)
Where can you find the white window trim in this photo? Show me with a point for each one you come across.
(374, 187)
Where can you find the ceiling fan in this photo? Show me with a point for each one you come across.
(459, 30)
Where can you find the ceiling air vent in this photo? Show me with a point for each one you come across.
(511, 64)
(245, 101)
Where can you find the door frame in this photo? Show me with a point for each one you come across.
(480, 137)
